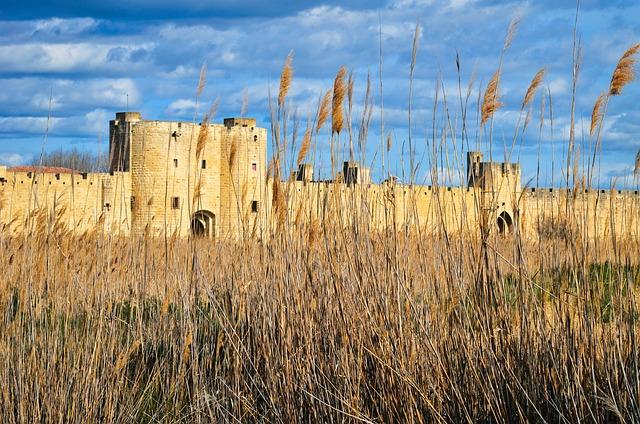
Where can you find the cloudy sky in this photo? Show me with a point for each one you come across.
(94, 58)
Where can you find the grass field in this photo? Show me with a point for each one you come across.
(374, 327)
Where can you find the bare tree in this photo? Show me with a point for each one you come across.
(79, 160)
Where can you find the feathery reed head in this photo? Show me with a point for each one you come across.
(511, 32)
(304, 147)
(533, 87)
(596, 114)
(491, 101)
(202, 79)
(203, 135)
(233, 150)
(279, 203)
(389, 141)
(214, 109)
(339, 91)
(414, 49)
(245, 102)
(285, 79)
(204, 128)
(624, 72)
(323, 110)
(350, 85)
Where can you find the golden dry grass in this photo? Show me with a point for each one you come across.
(317, 326)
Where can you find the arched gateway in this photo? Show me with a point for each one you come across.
(203, 224)
(505, 223)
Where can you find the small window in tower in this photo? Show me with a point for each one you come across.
(204, 164)
(254, 166)
(133, 202)
(175, 203)
(254, 206)
(175, 163)
(255, 138)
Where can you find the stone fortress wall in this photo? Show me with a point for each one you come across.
(72, 201)
(550, 212)
(182, 178)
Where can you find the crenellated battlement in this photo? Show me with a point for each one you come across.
(182, 178)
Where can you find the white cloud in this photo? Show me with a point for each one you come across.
(58, 26)
(33, 95)
(96, 120)
(67, 57)
(12, 159)
(559, 86)
(181, 107)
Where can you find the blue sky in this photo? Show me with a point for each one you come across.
(94, 56)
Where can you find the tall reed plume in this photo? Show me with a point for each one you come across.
(337, 106)
(491, 101)
(286, 77)
(511, 32)
(245, 103)
(202, 80)
(203, 134)
(533, 87)
(624, 72)
(323, 110)
(233, 150)
(304, 146)
(596, 114)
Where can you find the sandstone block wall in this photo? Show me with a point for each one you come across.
(73, 202)
(211, 179)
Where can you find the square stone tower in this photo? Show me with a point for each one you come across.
(120, 140)
(499, 187)
(190, 178)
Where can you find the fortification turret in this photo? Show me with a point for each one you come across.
(120, 140)
(474, 169)
(304, 172)
(353, 173)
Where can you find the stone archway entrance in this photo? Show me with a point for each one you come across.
(203, 224)
(505, 223)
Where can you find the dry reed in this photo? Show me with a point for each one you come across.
(533, 87)
(511, 32)
(624, 72)
(233, 151)
(323, 110)
(285, 79)
(596, 114)
(491, 101)
(337, 105)
(202, 80)
(304, 146)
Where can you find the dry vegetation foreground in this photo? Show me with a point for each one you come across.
(320, 325)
